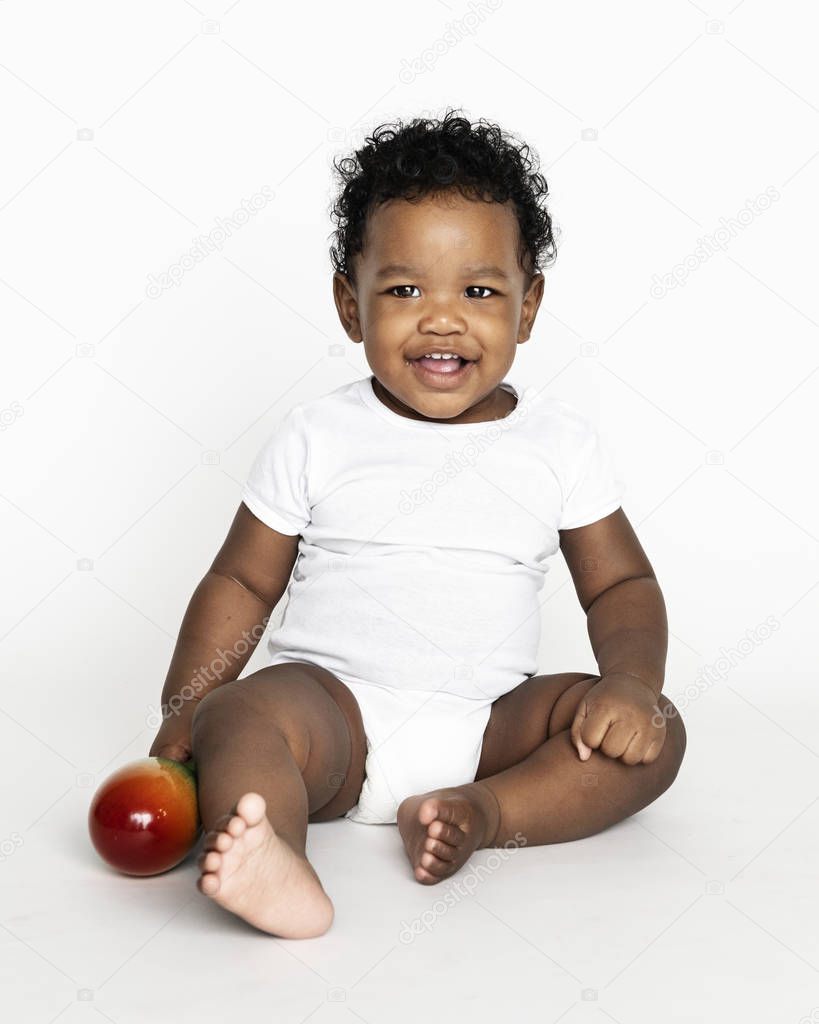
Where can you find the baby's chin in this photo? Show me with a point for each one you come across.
(462, 398)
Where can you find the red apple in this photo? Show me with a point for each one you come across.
(144, 819)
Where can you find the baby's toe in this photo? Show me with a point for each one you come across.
(424, 877)
(434, 865)
(221, 841)
(252, 808)
(208, 861)
(208, 884)
(429, 810)
(440, 850)
(446, 833)
(236, 826)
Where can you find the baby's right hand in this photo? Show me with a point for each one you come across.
(173, 742)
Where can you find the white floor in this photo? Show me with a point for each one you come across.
(701, 907)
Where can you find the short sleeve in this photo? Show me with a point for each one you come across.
(276, 488)
(593, 487)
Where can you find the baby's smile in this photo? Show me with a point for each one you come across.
(444, 370)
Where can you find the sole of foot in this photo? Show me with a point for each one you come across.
(251, 871)
(441, 830)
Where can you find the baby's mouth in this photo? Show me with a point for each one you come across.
(443, 366)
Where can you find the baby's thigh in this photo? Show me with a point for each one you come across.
(318, 717)
(524, 718)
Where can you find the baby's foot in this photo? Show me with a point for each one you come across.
(249, 870)
(442, 829)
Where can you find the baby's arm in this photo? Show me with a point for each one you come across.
(224, 621)
(628, 629)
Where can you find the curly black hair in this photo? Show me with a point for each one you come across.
(429, 157)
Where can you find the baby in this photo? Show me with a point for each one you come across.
(417, 510)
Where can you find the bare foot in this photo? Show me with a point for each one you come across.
(442, 829)
(249, 870)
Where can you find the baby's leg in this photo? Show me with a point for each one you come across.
(531, 786)
(280, 747)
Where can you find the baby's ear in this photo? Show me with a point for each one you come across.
(346, 305)
(531, 304)
(344, 285)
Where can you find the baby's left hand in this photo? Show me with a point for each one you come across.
(620, 717)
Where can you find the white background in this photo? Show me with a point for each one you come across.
(128, 422)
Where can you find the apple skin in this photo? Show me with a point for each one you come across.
(144, 819)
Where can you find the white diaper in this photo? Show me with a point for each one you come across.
(417, 740)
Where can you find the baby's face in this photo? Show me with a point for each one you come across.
(440, 275)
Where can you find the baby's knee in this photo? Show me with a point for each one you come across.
(227, 706)
(675, 739)
(243, 710)
(211, 709)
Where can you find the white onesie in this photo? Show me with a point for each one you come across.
(422, 550)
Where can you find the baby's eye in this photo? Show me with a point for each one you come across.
(480, 287)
